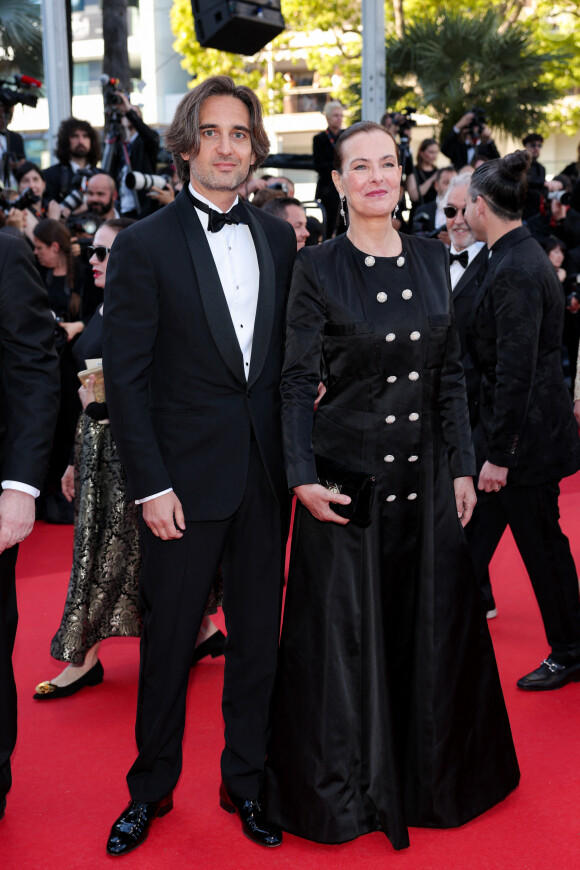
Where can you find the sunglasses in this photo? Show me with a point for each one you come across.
(450, 211)
(99, 251)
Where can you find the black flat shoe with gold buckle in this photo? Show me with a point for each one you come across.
(47, 691)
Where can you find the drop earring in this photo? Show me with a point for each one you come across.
(396, 211)
(342, 211)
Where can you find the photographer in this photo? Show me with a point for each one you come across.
(32, 199)
(11, 147)
(323, 157)
(556, 216)
(470, 137)
(134, 151)
(78, 151)
(101, 196)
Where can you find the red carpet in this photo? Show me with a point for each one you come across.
(72, 755)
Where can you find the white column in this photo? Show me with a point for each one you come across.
(56, 71)
(374, 60)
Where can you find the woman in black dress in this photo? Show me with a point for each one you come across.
(388, 693)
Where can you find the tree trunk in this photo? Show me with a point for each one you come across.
(399, 18)
(116, 54)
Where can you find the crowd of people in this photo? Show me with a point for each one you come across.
(397, 366)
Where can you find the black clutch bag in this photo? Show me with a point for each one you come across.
(356, 484)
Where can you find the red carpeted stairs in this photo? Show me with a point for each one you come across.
(72, 755)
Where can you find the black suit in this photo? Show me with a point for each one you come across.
(29, 389)
(465, 293)
(142, 156)
(184, 416)
(526, 424)
(323, 159)
(14, 154)
(454, 147)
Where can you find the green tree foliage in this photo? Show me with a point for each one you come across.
(20, 38)
(534, 49)
(447, 62)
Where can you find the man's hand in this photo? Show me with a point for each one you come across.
(17, 516)
(317, 499)
(465, 498)
(164, 516)
(464, 121)
(492, 477)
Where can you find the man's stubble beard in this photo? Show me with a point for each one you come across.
(209, 180)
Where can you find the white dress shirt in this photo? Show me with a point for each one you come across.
(236, 262)
(456, 270)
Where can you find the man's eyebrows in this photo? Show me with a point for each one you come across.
(216, 126)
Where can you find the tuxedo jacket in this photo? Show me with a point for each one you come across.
(182, 412)
(465, 294)
(29, 371)
(515, 337)
(323, 159)
(457, 150)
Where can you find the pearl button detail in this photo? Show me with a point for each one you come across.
(389, 458)
(390, 337)
(413, 417)
(412, 496)
(407, 294)
(415, 336)
(400, 262)
(391, 498)
(413, 376)
(369, 261)
(412, 459)
(390, 419)
(381, 297)
(391, 379)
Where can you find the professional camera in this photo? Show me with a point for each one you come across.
(478, 122)
(25, 200)
(144, 181)
(86, 224)
(278, 186)
(19, 90)
(74, 194)
(110, 98)
(404, 121)
(561, 196)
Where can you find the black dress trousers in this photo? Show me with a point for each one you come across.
(8, 623)
(532, 514)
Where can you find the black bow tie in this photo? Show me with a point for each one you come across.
(462, 258)
(218, 219)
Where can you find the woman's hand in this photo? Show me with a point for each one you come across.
(465, 498)
(67, 483)
(87, 392)
(72, 329)
(317, 499)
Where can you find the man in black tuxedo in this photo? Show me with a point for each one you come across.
(526, 437)
(469, 139)
(323, 157)
(77, 148)
(193, 347)
(29, 389)
(468, 264)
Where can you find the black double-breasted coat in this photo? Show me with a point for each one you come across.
(387, 687)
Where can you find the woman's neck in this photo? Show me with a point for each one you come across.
(61, 268)
(375, 236)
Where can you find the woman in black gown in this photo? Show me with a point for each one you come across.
(388, 710)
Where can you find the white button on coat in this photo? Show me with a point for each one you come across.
(391, 497)
(413, 376)
(415, 336)
(412, 496)
(407, 294)
(391, 379)
(390, 419)
(381, 297)
(390, 336)
(413, 417)
(389, 458)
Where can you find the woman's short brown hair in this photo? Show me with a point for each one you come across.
(183, 136)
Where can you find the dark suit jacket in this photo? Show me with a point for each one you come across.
(143, 156)
(464, 295)
(29, 372)
(323, 159)
(181, 410)
(525, 410)
(457, 150)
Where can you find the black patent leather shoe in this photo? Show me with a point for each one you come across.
(550, 675)
(213, 646)
(132, 827)
(48, 691)
(254, 825)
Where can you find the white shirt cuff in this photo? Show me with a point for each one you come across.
(21, 487)
(151, 497)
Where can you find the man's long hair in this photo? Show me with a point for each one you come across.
(65, 131)
(183, 134)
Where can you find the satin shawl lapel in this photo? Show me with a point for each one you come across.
(266, 299)
(210, 288)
